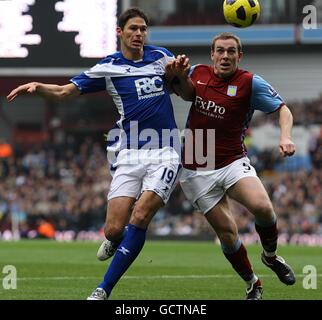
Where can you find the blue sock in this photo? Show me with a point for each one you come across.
(125, 254)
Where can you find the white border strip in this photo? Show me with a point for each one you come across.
(44, 72)
(170, 277)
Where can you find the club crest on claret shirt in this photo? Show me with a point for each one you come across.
(232, 91)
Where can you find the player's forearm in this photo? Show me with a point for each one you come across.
(50, 91)
(185, 88)
(56, 92)
(286, 122)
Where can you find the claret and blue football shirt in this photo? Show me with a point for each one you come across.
(226, 106)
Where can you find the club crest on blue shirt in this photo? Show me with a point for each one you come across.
(232, 91)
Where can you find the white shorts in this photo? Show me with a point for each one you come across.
(205, 189)
(131, 178)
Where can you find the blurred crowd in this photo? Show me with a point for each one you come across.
(297, 199)
(57, 187)
(305, 113)
(63, 185)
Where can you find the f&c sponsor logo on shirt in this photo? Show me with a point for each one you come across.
(149, 87)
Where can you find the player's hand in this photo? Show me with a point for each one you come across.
(170, 69)
(179, 67)
(28, 88)
(182, 66)
(287, 147)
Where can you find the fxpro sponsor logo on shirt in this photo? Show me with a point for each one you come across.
(209, 108)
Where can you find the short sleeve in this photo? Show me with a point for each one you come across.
(92, 80)
(264, 97)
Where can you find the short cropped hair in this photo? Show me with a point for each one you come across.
(226, 36)
(129, 14)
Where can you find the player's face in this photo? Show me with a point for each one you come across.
(225, 57)
(133, 36)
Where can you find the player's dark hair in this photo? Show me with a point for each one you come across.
(226, 36)
(129, 14)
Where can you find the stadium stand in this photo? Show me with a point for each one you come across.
(65, 184)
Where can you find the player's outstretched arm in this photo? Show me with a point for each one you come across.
(51, 91)
(181, 83)
(287, 147)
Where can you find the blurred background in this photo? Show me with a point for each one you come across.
(53, 169)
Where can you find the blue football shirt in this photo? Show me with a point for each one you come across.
(141, 96)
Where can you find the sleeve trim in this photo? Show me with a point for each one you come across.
(277, 109)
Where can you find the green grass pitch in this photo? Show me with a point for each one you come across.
(165, 270)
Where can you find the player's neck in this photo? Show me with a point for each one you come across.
(225, 76)
(132, 54)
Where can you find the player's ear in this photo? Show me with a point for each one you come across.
(212, 54)
(240, 56)
(118, 31)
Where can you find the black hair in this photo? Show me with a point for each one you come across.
(129, 14)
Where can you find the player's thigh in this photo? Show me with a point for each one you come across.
(243, 185)
(250, 192)
(202, 188)
(158, 183)
(221, 218)
(127, 181)
(162, 178)
(125, 188)
(197, 184)
(145, 208)
(118, 213)
(208, 201)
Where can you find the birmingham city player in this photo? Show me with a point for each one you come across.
(147, 161)
(224, 99)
